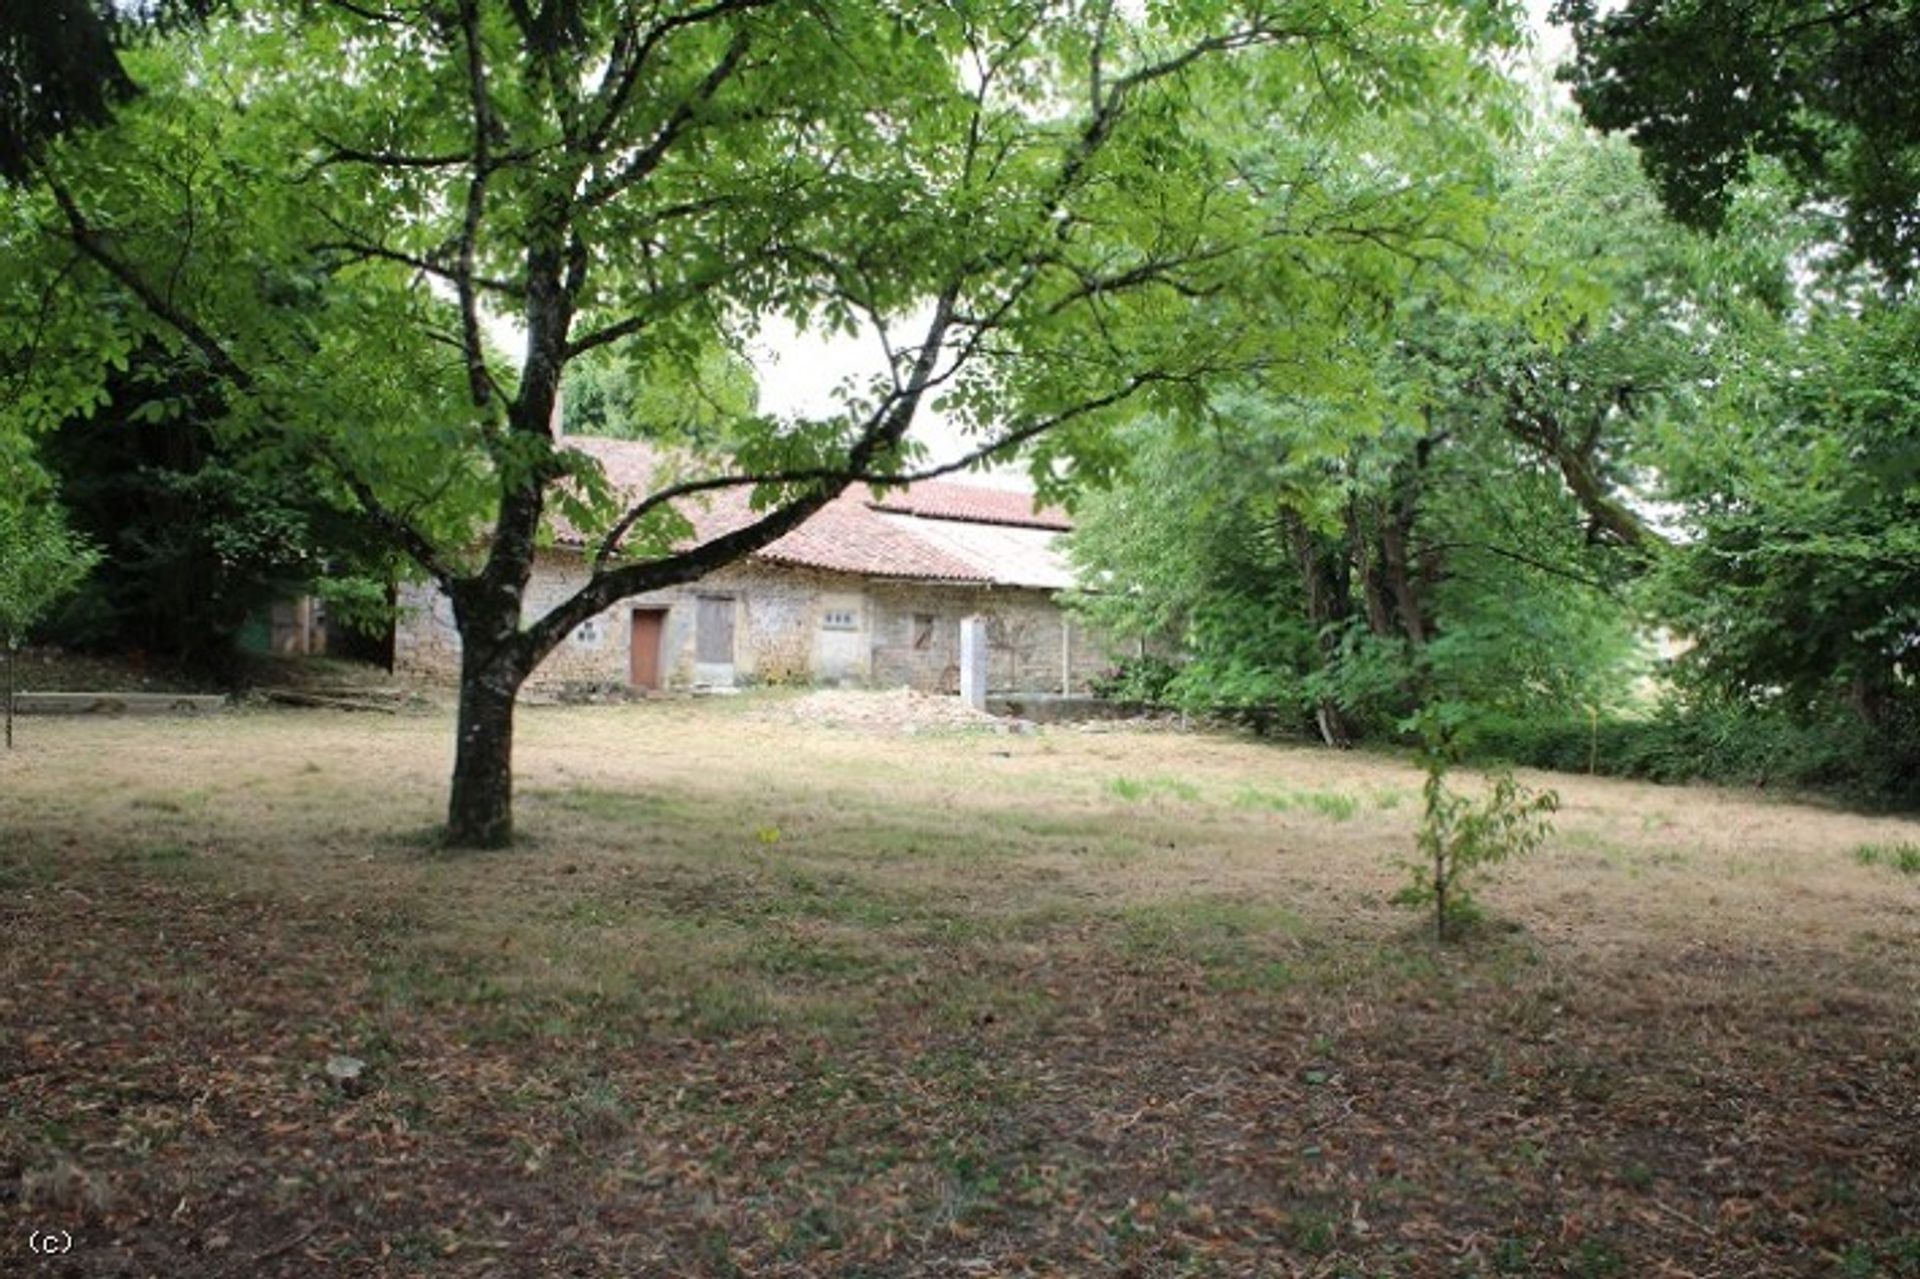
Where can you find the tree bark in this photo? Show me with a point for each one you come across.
(1396, 536)
(1605, 514)
(1399, 580)
(1865, 694)
(1580, 468)
(480, 811)
(1366, 568)
(1324, 573)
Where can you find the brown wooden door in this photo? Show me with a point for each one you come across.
(644, 657)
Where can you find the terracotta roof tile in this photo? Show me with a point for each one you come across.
(945, 500)
(855, 533)
(847, 537)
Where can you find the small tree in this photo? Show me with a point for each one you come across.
(1459, 834)
(41, 560)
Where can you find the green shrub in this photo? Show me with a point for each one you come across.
(1459, 835)
(1138, 679)
(1720, 741)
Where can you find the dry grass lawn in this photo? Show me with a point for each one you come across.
(758, 997)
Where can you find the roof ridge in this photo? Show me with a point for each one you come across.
(854, 532)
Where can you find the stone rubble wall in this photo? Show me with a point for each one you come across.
(780, 632)
(1025, 632)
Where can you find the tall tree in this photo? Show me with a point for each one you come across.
(1037, 213)
(1336, 582)
(1800, 581)
(197, 541)
(1830, 89)
(1459, 518)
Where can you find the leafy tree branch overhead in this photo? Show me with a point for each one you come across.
(60, 66)
(1827, 89)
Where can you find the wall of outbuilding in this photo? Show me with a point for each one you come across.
(1034, 647)
(790, 626)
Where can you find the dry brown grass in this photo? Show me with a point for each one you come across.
(758, 996)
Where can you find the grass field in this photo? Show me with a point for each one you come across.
(769, 998)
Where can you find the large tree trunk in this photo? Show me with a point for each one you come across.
(1407, 604)
(493, 665)
(1397, 521)
(1366, 570)
(480, 812)
(1324, 572)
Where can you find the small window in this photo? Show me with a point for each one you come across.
(587, 633)
(839, 619)
(923, 630)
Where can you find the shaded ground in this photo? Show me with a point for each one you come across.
(778, 998)
(55, 670)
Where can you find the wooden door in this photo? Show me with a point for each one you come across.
(713, 631)
(644, 657)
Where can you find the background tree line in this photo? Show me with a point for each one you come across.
(1636, 429)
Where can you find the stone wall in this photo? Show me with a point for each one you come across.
(1034, 646)
(426, 645)
(790, 626)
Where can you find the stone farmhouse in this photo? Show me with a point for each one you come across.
(870, 592)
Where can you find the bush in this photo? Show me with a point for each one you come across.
(1263, 700)
(1723, 741)
(1138, 679)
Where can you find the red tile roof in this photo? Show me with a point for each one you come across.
(849, 535)
(944, 500)
(846, 537)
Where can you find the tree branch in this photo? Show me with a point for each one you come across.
(89, 242)
(403, 531)
(479, 377)
(1439, 548)
(341, 153)
(649, 157)
(842, 477)
(368, 250)
(623, 73)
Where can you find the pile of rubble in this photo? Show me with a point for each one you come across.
(900, 710)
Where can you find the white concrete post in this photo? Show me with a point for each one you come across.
(973, 662)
